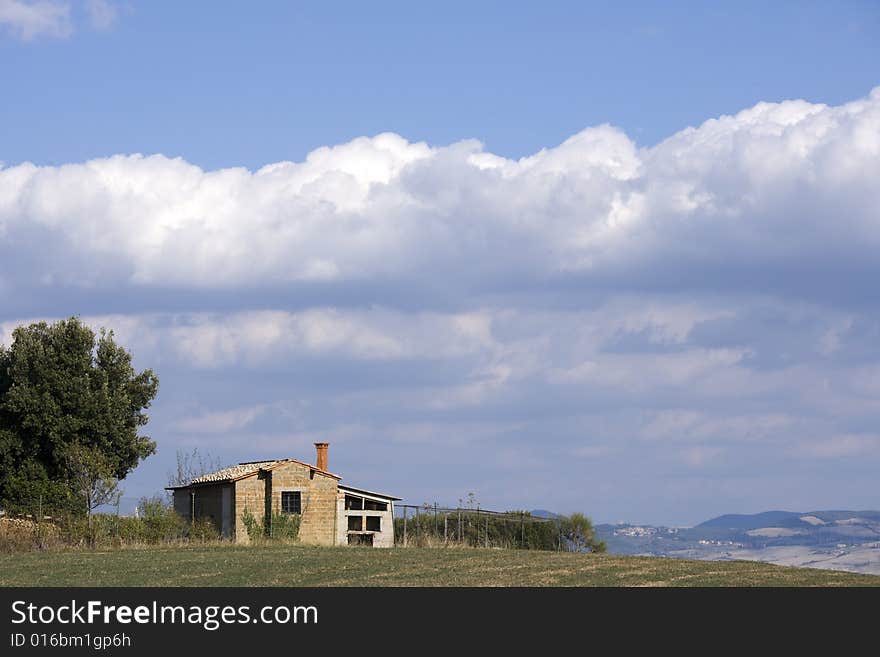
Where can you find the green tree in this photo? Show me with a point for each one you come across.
(578, 531)
(61, 385)
(91, 480)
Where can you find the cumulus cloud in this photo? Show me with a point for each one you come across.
(102, 13)
(27, 20)
(700, 312)
(220, 421)
(781, 196)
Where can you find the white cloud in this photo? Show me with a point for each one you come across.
(845, 445)
(220, 421)
(663, 311)
(778, 187)
(102, 13)
(27, 20)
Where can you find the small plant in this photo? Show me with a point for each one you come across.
(203, 531)
(282, 526)
(161, 523)
(285, 526)
(253, 526)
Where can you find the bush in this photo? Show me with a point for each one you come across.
(511, 530)
(282, 526)
(285, 526)
(253, 526)
(161, 524)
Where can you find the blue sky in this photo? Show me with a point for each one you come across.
(482, 247)
(229, 84)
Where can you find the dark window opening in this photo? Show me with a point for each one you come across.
(372, 505)
(291, 501)
(374, 523)
(360, 539)
(355, 523)
(353, 503)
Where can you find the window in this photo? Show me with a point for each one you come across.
(353, 503)
(291, 501)
(355, 523)
(373, 505)
(374, 523)
(360, 539)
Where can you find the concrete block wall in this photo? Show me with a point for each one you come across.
(208, 504)
(384, 538)
(183, 503)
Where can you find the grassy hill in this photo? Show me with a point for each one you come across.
(280, 565)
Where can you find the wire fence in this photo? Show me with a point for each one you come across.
(432, 526)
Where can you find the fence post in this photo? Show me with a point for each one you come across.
(522, 529)
(477, 529)
(459, 525)
(445, 528)
(487, 530)
(404, 525)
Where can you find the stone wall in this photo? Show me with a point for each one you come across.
(249, 494)
(318, 492)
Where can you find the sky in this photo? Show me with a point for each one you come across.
(616, 258)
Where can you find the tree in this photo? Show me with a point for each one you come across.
(60, 386)
(191, 465)
(91, 479)
(578, 531)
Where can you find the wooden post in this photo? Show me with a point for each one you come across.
(522, 529)
(404, 526)
(459, 525)
(445, 528)
(487, 530)
(477, 529)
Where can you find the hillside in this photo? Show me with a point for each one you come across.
(794, 519)
(838, 540)
(345, 566)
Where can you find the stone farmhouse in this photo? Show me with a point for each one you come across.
(331, 513)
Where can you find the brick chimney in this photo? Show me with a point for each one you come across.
(321, 449)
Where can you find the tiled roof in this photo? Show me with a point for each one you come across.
(234, 472)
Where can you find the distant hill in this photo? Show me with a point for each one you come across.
(754, 520)
(789, 519)
(838, 540)
(543, 513)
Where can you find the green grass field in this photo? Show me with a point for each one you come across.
(280, 565)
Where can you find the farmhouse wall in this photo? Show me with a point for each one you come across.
(208, 504)
(249, 495)
(318, 524)
(183, 503)
(382, 538)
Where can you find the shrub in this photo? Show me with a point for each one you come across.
(161, 523)
(253, 526)
(285, 526)
(512, 529)
(202, 530)
(282, 526)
